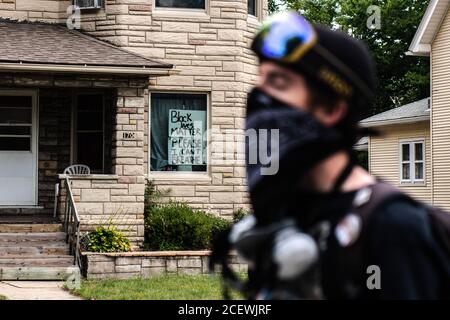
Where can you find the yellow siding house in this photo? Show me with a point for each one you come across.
(414, 153)
(401, 153)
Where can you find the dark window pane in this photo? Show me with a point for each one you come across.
(15, 102)
(15, 144)
(15, 130)
(90, 121)
(90, 118)
(90, 150)
(419, 171)
(189, 4)
(405, 152)
(183, 104)
(251, 7)
(419, 151)
(406, 172)
(90, 102)
(15, 115)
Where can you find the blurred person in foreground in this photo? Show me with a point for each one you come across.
(314, 85)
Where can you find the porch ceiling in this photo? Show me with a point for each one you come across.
(51, 47)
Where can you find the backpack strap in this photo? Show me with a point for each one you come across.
(351, 260)
(368, 200)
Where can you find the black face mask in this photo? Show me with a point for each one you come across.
(303, 143)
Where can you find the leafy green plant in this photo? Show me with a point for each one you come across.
(239, 214)
(153, 196)
(106, 239)
(176, 226)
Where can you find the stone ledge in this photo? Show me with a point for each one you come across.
(89, 177)
(150, 253)
(152, 263)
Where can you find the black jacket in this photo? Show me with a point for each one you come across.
(400, 242)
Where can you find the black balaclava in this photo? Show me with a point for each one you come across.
(303, 143)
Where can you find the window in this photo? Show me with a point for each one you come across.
(89, 4)
(186, 4)
(412, 168)
(89, 131)
(178, 126)
(16, 114)
(251, 8)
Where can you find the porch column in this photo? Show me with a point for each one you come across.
(128, 158)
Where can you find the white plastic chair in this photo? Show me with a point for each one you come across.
(77, 169)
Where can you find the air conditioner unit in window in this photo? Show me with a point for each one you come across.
(89, 4)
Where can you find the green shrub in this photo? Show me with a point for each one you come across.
(107, 239)
(153, 196)
(239, 214)
(176, 226)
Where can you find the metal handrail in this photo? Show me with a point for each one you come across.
(72, 224)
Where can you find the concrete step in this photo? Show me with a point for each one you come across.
(39, 250)
(33, 261)
(15, 218)
(40, 273)
(29, 227)
(7, 239)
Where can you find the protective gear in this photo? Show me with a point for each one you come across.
(303, 143)
(294, 252)
(283, 256)
(335, 59)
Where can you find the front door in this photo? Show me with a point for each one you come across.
(18, 147)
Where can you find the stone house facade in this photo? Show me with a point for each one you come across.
(196, 62)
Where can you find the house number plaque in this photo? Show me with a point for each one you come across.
(129, 136)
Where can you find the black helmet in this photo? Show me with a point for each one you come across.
(333, 58)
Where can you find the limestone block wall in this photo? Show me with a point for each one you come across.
(211, 52)
(105, 199)
(32, 10)
(147, 264)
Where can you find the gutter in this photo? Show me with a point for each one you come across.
(394, 121)
(57, 68)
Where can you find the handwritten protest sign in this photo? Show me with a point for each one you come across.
(186, 129)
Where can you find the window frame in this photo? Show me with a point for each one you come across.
(180, 11)
(179, 175)
(256, 19)
(256, 15)
(412, 161)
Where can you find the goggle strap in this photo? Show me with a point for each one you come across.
(357, 81)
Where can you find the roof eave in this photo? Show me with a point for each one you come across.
(381, 123)
(60, 68)
(418, 46)
(361, 147)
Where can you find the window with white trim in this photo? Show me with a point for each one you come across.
(178, 123)
(185, 4)
(252, 7)
(412, 161)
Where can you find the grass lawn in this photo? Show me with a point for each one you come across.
(168, 287)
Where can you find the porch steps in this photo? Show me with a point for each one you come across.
(11, 218)
(26, 228)
(41, 250)
(35, 261)
(39, 273)
(35, 250)
(32, 238)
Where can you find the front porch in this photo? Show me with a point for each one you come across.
(67, 98)
(50, 122)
